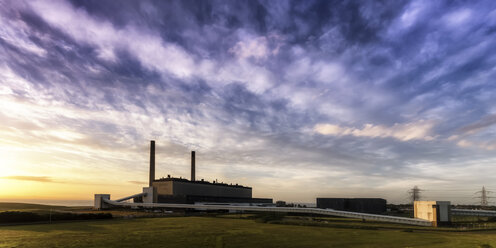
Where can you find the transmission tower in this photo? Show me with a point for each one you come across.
(484, 196)
(414, 194)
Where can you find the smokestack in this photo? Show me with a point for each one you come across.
(152, 162)
(193, 166)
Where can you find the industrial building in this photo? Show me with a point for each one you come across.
(361, 205)
(438, 212)
(180, 190)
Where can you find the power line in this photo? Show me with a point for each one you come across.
(448, 190)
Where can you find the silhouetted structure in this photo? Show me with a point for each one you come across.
(193, 170)
(152, 163)
(414, 194)
(362, 205)
(180, 190)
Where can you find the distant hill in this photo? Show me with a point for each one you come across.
(10, 206)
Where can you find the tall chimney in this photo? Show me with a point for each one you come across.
(152, 162)
(193, 166)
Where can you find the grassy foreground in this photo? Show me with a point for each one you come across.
(224, 232)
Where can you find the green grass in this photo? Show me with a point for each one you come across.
(224, 232)
(229, 231)
(340, 222)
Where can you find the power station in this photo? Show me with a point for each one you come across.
(179, 193)
(179, 190)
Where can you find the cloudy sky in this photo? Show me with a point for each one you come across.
(297, 99)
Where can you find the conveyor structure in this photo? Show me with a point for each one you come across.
(469, 212)
(331, 212)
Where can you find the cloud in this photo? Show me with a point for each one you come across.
(152, 52)
(30, 178)
(16, 33)
(485, 122)
(476, 144)
(156, 54)
(458, 17)
(412, 13)
(86, 85)
(420, 130)
(138, 182)
(255, 47)
(259, 48)
(474, 135)
(305, 69)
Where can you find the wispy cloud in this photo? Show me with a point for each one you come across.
(410, 131)
(138, 182)
(150, 49)
(485, 122)
(255, 47)
(458, 17)
(30, 178)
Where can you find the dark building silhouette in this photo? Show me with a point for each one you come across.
(362, 205)
(180, 190)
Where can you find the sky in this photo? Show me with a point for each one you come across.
(297, 99)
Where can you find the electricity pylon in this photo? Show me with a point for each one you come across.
(414, 194)
(484, 196)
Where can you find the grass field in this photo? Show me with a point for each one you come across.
(227, 231)
(224, 232)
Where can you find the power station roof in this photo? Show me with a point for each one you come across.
(175, 179)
